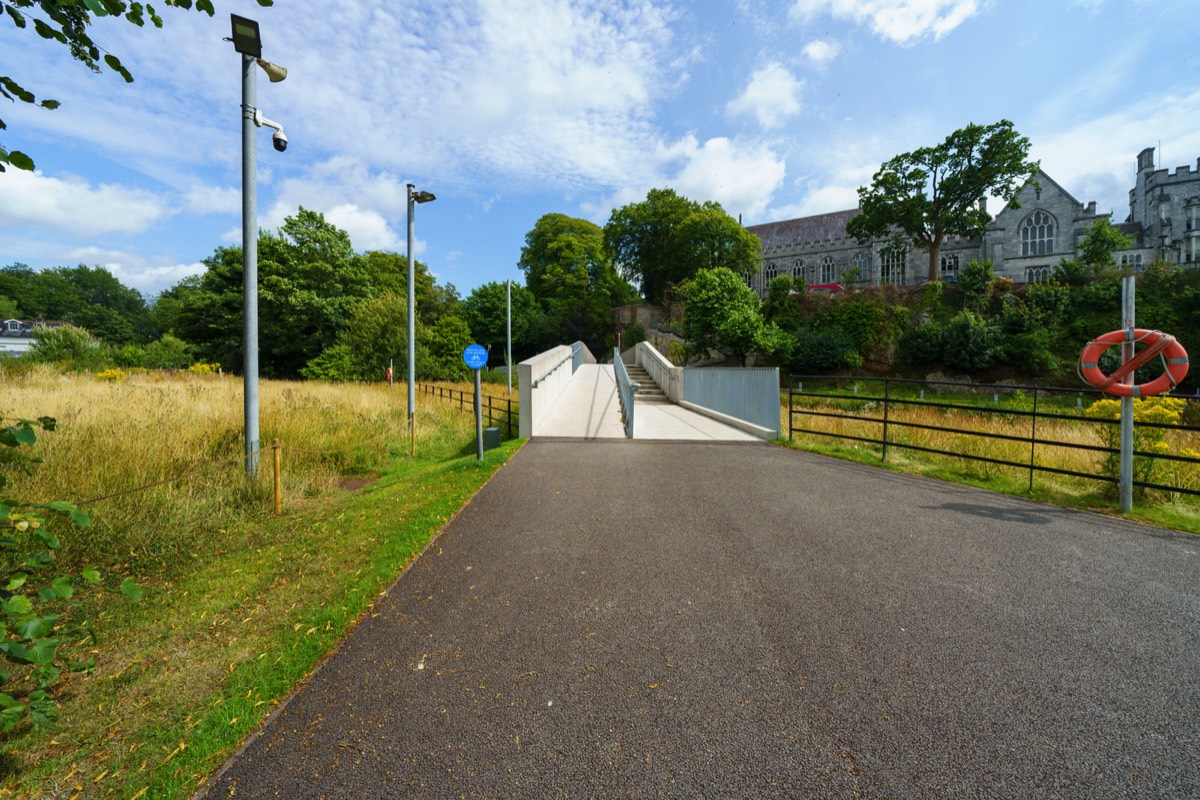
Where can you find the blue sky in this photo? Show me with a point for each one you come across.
(511, 109)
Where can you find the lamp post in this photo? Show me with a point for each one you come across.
(248, 43)
(508, 345)
(414, 197)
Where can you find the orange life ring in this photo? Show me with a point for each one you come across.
(1156, 343)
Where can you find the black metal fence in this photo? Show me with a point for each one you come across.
(1012, 412)
(494, 409)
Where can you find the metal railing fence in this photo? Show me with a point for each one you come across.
(842, 400)
(494, 409)
(626, 390)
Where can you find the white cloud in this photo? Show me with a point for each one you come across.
(368, 229)
(741, 178)
(820, 52)
(771, 96)
(72, 205)
(901, 21)
(149, 276)
(213, 200)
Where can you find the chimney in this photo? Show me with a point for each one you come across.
(1091, 207)
(983, 204)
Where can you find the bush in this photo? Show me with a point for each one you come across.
(924, 344)
(824, 351)
(635, 332)
(72, 347)
(972, 343)
(975, 283)
(1146, 439)
(131, 355)
(169, 352)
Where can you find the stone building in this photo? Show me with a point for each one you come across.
(1024, 244)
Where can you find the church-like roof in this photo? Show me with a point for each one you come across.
(805, 230)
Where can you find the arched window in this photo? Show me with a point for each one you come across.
(770, 273)
(828, 271)
(950, 264)
(1037, 234)
(861, 266)
(798, 269)
(1038, 274)
(893, 266)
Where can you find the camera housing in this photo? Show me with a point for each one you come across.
(279, 139)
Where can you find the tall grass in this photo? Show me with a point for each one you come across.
(978, 433)
(115, 437)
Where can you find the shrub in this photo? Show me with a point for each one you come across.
(924, 344)
(201, 368)
(131, 355)
(1146, 439)
(169, 352)
(111, 375)
(72, 347)
(972, 343)
(975, 283)
(824, 351)
(634, 332)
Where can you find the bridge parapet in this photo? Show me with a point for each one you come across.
(542, 380)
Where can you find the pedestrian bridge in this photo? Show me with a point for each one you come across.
(565, 393)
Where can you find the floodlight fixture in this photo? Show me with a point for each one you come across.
(422, 197)
(246, 39)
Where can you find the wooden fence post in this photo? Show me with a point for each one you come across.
(275, 447)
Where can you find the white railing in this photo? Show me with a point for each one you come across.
(668, 377)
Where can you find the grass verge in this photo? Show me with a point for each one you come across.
(189, 672)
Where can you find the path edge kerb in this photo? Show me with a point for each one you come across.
(212, 779)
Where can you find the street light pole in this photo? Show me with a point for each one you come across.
(248, 44)
(414, 197)
(508, 346)
(249, 267)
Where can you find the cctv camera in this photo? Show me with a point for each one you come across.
(279, 139)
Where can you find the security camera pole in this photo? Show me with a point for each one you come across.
(247, 42)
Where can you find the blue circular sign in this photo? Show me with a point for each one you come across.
(475, 356)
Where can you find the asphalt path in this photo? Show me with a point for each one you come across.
(649, 619)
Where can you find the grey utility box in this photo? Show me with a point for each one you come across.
(491, 438)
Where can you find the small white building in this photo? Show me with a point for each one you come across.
(16, 335)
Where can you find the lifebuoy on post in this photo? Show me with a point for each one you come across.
(1155, 343)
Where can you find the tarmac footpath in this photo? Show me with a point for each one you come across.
(624, 619)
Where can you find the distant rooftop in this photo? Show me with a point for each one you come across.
(790, 232)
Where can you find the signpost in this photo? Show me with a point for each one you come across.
(476, 357)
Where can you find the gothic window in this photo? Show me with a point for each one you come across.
(771, 272)
(798, 269)
(950, 264)
(860, 266)
(828, 271)
(1037, 234)
(893, 266)
(1038, 274)
(1132, 261)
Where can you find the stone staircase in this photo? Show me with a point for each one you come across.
(649, 391)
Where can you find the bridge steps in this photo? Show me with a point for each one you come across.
(648, 391)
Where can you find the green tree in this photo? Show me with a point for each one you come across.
(446, 341)
(934, 192)
(720, 312)
(68, 22)
(975, 283)
(169, 352)
(666, 239)
(87, 297)
(1098, 244)
(568, 271)
(486, 313)
(67, 345)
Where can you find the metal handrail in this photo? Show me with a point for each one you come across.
(576, 349)
(626, 390)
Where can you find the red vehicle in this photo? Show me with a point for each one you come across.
(825, 287)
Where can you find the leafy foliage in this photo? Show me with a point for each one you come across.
(1146, 439)
(68, 22)
(934, 192)
(87, 297)
(666, 239)
(35, 603)
(67, 345)
(568, 271)
(722, 313)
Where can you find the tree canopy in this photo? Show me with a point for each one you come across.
(87, 297)
(486, 313)
(569, 273)
(69, 23)
(722, 313)
(666, 239)
(934, 192)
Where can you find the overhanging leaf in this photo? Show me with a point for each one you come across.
(18, 605)
(131, 590)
